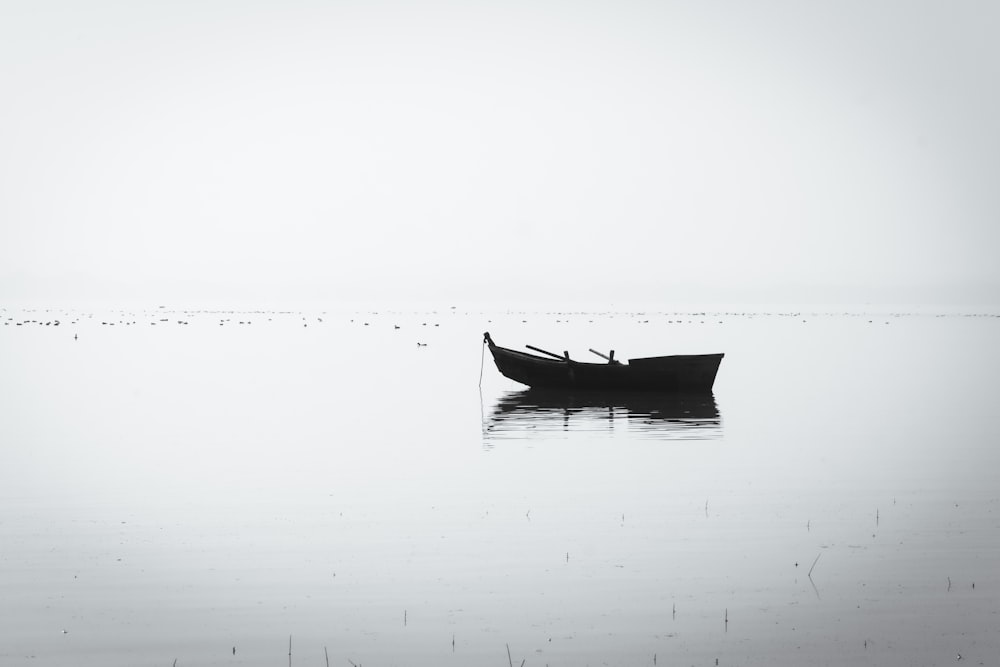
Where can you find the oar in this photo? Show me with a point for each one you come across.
(560, 357)
(610, 360)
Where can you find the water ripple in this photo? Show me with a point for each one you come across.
(534, 413)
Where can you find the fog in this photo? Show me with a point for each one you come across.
(223, 152)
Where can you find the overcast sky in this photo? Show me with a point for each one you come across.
(215, 151)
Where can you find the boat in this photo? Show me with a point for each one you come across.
(680, 372)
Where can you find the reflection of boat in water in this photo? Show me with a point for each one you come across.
(534, 413)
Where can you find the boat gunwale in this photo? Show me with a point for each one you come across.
(533, 357)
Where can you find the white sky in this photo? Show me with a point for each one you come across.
(213, 151)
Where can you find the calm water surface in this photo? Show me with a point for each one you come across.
(176, 484)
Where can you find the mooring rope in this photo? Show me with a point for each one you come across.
(482, 410)
(482, 359)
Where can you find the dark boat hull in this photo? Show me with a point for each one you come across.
(690, 372)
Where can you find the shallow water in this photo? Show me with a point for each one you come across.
(176, 484)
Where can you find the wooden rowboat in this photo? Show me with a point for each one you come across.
(682, 372)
